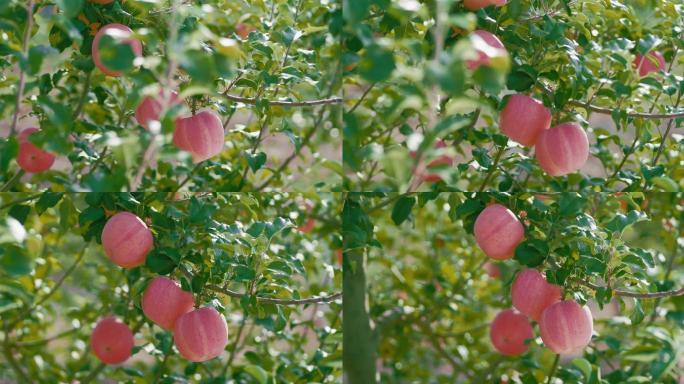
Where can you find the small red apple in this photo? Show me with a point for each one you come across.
(498, 232)
(151, 108)
(508, 332)
(436, 163)
(31, 158)
(653, 62)
(243, 30)
(562, 149)
(492, 270)
(127, 240)
(523, 119)
(532, 294)
(200, 134)
(566, 327)
(164, 302)
(118, 30)
(484, 56)
(474, 5)
(112, 341)
(201, 335)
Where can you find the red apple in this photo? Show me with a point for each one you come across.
(562, 149)
(484, 53)
(524, 118)
(474, 5)
(243, 30)
(508, 332)
(201, 335)
(164, 302)
(118, 30)
(31, 158)
(308, 225)
(151, 108)
(438, 162)
(653, 62)
(566, 327)
(201, 135)
(339, 255)
(127, 240)
(112, 341)
(532, 294)
(498, 232)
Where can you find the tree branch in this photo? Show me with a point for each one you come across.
(306, 103)
(269, 300)
(22, 75)
(638, 295)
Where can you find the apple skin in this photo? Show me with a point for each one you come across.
(474, 5)
(201, 335)
(201, 135)
(135, 45)
(523, 119)
(127, 240)
(492, 270)
(562, 149)
(566, 327)
(164, 302)
(646, 65)
(508, 332)
(532, 294)
(483, 58)
(31, 158)
(150, 108)
(112, 341)
(498, 232)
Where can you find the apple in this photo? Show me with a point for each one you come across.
(339, 255)
(200, 134)
(566, 327)
(484, 53)
(652, 62)
(164, 302)
(492, 270)
(498, 232)
(308, 225)
(523, 119)
(532, 294)
(562, 149)
(201, 335)
(112, 341)
(127, 240)
(474, 5)
(31, 158)
(508, 332)
(151, 108)
(125, 32)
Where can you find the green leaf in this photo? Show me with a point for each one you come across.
(11, 231)
(20, 212)
(637, 315)
(620, 221)
(90, 214)
(71, 8)
(584, 366)
(160, 262)
(48, 200)
(402, 209)
(377, 63)
(244, 273)
(257, 373)
(256, 161)
(532, 253)
(9, 148)
(116, 55)
(571, 204)
(15, 261)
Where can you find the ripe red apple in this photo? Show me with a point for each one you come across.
(201, 135)
(562, 149)
(508, 332)
(127, 240)
(653, 62)
(151, 108)
(524, 118)
(112, 341)
(484, 55)
(119, 29)
(438, 162)
(31, 158)
(474, 5)
(201, 335)
(243, 30)
(492, 270)
(566, 327)
(164, 302)
(532, 294)
(498, 232)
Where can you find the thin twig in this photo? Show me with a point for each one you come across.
(84, 96)
(552, 372)
(269, 300)
(38, 343)
(638, 295)
(22, 200)
(363, 96)
(490, 172)
(22, 75)
(306, 103)
(10, 183)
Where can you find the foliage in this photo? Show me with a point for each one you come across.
(430, 298)
(232, 251)
(234, 58)
(408, 86)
